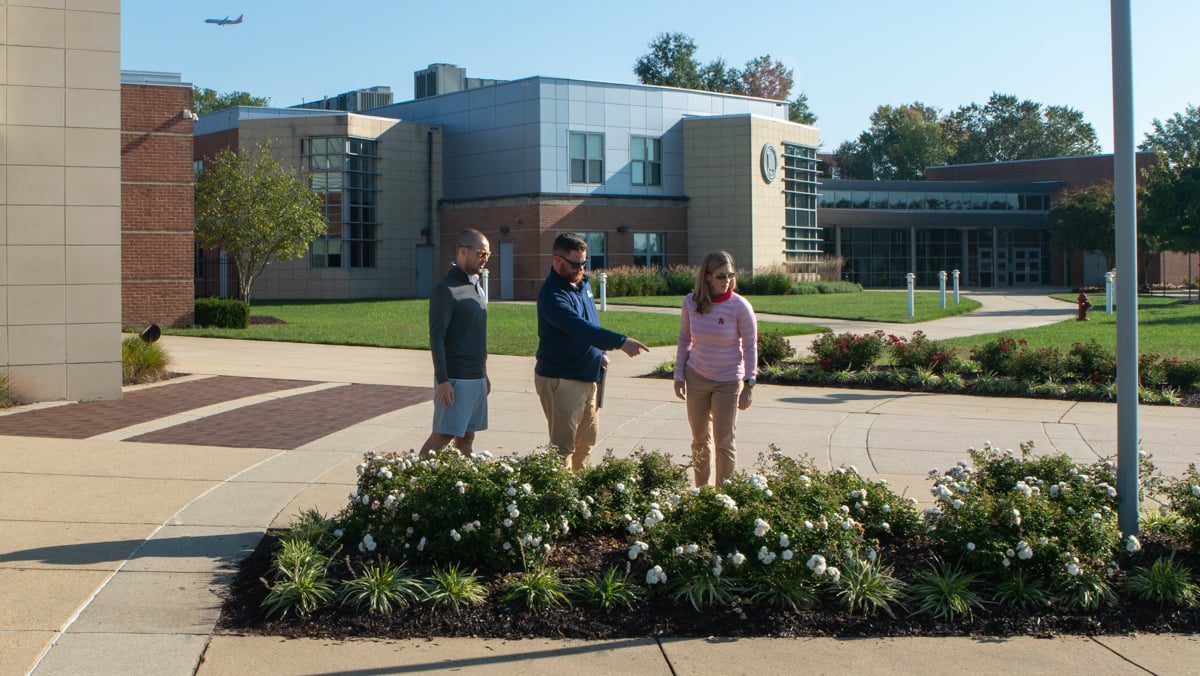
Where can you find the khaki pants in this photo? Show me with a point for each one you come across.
(571, 416)
(712, 411)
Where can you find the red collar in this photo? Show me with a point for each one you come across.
(723, 297)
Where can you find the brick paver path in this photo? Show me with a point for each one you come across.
(90, 418)
(285, 423)
(291, 422)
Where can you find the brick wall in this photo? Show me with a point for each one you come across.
(157, 212)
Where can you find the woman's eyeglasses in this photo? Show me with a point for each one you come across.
(573, 264)
(725, 275)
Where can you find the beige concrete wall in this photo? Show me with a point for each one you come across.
(60, 199)
(404, 203)
(730, 205)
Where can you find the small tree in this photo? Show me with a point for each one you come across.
(256, 210)
(208, 100)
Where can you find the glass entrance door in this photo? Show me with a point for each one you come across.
(993, 273)
(1027, 266)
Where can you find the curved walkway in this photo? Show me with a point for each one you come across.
(121, 522)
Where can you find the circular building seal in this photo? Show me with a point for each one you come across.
(769, 159)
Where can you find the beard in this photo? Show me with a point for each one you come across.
(573, 277)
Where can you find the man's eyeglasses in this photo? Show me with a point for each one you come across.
(573, 264)
(725, 275)
(483, 254)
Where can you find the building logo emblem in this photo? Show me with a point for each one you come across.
(770, 162)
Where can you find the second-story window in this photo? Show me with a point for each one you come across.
(587, 158)
(645, 164)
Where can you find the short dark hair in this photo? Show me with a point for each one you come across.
(469, 238)
(567, 242)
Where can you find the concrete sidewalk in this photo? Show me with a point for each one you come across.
(113, 552)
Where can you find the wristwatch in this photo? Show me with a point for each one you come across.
(750, 382)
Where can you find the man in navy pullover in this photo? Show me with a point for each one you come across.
(570, 354)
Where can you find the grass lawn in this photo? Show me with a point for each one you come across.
(512, 327)
(1165, 326)
(876, 306)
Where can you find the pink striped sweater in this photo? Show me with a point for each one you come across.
(722, 344)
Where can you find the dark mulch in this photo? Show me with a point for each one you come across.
(265, 319)
(591, 556)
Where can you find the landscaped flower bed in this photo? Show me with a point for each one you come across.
(1005, 366)
(446, 545)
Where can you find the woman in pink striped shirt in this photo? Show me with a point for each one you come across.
(716, 362)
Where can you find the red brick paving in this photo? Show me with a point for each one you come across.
(291, 422)
(91, 418)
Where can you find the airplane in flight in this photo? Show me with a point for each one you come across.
(226, 21)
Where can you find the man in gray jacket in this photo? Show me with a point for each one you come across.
(458, 344)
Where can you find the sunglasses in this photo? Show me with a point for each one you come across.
(573, 264)
(483, 255)
(725, 275)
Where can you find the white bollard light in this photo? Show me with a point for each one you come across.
(909, 279)
(942, 288)
(1109, 277)
(483, 283)
(955, 275)
(603, 277)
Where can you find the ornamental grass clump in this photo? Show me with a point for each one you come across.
(537, 589)
(1166, 582)
(300, 583)
(946, 591)
(381, 588)
(451, 586)
(142, 361)
(866, 585)
(611, 590)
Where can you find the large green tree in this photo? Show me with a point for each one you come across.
(1006, 129)
(1085, 219)
(672, 62)
(901, 141)
(257, 211)
(208, 100)
(1170, 202)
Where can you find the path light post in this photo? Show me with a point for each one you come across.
(955, 275)
(942, 288)
(908, 280)
(603, 277)
(1108, 290)
(483, 283)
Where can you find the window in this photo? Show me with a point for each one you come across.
(587, 158)
(646, 164)
(597, 251)
(648, 250)
(801, 235)
(344, 171)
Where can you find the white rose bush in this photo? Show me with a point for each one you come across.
(1000, 529)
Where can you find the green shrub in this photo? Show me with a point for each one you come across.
(1166, 582)
(222, 313)
(1152, 370)
(537, 589)
(142, 362)
(996, 355)
(680, 279)
(6, 398)
(848, 350)
(1092, 362)
(1044, 363)
(773, 348)
(611, 590)
(945, 591)
(381, 588)
(1183, 494)
(838, 287)
(618, 486)
(921, 352)
(1183, 375)
(766, 282)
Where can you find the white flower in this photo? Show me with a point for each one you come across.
(1025, 554)
(416, 517)
(1131, 544)
(804, 479)
(462, 488)
(784, 541)
(338, 533)
(872, 555)
(421, 544)
(409, 531)
(787, 554)
(886, 509)
(957, 504)
(942, 492)
(507, 523)
(678, 551)
(506, 546)
(808, 524)
(655, 575)
(1196, 491)
(1073, 569)
(384, 473)
(1024, 488)
(761, 527)
(848, 524)
(833, 573)
(1009, 552)
(366, 499)
(637, 548)
(454, 535)
(692, 549)
(368, 544)
(885, 525)
(816, 563)
(1110, 491)
(970, 546)
(1006, 563)
(510, 491)
(716, 569)
(620, 487)
(759, 481)
(362, 467)
(737, 558)
(726, 501)
(1096, 516)
(527, 488)
(634, 528)
(1071, 510)
(1016, 517)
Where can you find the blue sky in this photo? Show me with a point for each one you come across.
(849, 57)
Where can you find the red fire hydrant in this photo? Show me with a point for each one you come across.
(1084, 306)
